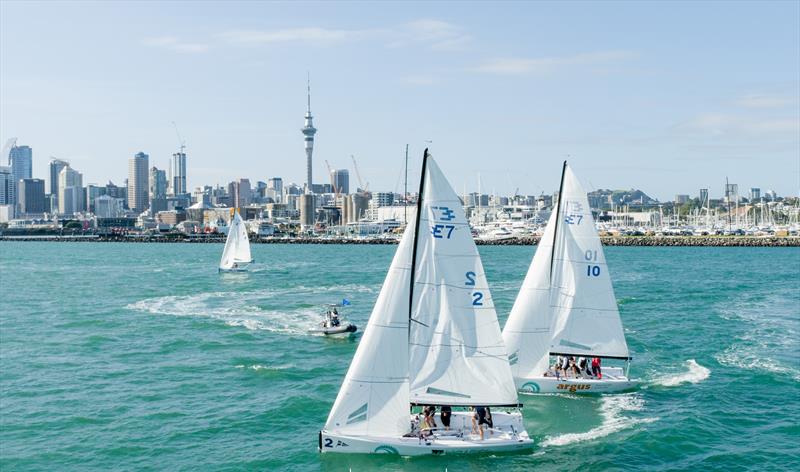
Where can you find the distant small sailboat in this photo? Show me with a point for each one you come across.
(566, 307)
(432, 339)
(236, 255)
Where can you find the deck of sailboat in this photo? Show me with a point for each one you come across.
(508, 435)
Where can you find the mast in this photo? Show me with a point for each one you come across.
(416, 240)
(558, 217)
(405, 194)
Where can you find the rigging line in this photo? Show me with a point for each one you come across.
(558, 216)
(418, 217)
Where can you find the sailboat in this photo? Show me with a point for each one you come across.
(236, 255)
(432, 339)
(567, 308)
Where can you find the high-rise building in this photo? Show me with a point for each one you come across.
(6, 185)
(31, 196)
(70, 191)
(341, 181)
(177, 174)
(20, 159)
(755, 194)
(138, 182)
(158, 183)
(92, 192)
(381, 199)
(107, 207)
(680, 199)
(275, 189)
(240, 193)
(55, 169)
(704, 197)
(731, 193)
(309, 131)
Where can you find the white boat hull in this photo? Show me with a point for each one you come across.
(508, 435)
(341, 329)
(532, 386)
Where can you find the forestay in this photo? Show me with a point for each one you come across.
(374, 397)
(237, 246)
(527, 332)
(457, 355)
(586, 320)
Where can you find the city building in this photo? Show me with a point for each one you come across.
(6, 185)
(31, 196)
(158, 190)
(703, 197)
(138, 182)
(106, 206)
(680, 199)
(275, 189)
(240, 193)
(55, 169)
(177, 174)
(70, 191)
(341, 181)
(731, 193)
(308, 132)
(93, 191)
(20, 159)
(755, 194)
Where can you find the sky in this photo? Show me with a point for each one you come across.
(665, 97)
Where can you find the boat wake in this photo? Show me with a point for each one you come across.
(614, 409)
(695, 374)
(244, 313)
(741, 357)
(769, 341)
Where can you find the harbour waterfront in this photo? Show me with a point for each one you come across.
(132, 357)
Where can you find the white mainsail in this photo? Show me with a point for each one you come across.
(374, 398)
(457, 355)
(457, 359)
(237, 246)
(566, 304)
(586, 319)
(527, 332)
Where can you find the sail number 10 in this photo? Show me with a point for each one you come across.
(591, 270)
(477, 297)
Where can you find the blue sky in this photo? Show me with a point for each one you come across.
(667, 97)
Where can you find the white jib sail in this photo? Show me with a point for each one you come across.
(457, 355)
(586, 319)
(373, 399)
(527, 332)
(237, 245)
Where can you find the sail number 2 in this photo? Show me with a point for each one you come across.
(591, 270)
(477, 297)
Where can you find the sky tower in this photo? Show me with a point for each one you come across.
(309, 131)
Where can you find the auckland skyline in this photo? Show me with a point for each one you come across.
(665, 97)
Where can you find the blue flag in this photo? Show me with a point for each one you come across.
(345, 302)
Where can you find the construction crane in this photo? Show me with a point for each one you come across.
(361, 184)
(181, 142)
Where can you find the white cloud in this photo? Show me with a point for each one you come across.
(723, 125)
(435, 34)
(765, 101)
(308, 34)
(545, 65)
(174, 44)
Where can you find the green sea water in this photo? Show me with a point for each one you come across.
(142, 357)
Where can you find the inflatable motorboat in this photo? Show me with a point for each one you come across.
(332, 323)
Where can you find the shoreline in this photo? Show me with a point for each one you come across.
(642, 241)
